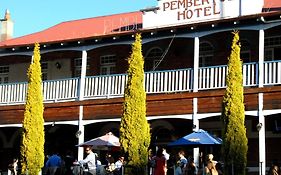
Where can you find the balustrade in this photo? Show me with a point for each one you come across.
(169, 81)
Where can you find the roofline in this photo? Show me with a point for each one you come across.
(163, 28)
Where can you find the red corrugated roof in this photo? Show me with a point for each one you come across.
(90, 27)
(272, 4)
(84, 28)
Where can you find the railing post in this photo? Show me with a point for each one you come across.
(109, 86)
(57, 90)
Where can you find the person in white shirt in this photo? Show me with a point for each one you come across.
(90, 160)
(167, 157)
(118, 166)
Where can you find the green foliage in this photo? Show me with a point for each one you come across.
(32, 146)
(235, 143)
(134, 129)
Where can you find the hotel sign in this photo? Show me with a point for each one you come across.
(175, 12)
(189, 9)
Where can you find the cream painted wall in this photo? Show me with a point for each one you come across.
(63, 72)
(18, 72)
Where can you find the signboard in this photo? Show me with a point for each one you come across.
(175, 12)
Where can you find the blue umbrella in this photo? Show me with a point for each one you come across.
(197, 138)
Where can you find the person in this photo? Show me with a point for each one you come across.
(13, 167)
(274, 169)
(151, 162)
(110, 166)
(210, 168)
(160, 163)
(181, 163)
(90, 161)
(210, 157)
(191, 167)
(69, 159)
(99, 168)
(219, 168)
(119, 165)
(167, 157)
(53, 164)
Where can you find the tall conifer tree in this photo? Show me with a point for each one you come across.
(235, 143)
(32, 147)
(135, 130)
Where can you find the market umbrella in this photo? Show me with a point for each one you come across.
(105, 142)
(197, 138)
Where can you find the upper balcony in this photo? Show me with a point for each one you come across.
(112, 86)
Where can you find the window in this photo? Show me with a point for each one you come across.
(78, 67)
(44, 68)
(272, 41)
(108, 64)
(268, 54)
(206, 54)
(245, 53)
(4, 74)
(153, 59)
(272, 48)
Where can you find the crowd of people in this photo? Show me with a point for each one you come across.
(182, 165)
(158, 164)
(90, 165)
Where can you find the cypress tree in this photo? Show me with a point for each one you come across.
(32, 146)
(134, 128)
(235, 143)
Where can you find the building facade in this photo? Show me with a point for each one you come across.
(185, 46)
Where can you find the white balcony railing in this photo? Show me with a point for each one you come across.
(272, 71)
(105, 86)
(212, 77)
(56, 90)
(155, 82)
(169, 81)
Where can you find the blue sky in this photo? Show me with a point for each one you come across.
(31, 16)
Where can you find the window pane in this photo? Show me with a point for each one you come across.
(4, 69)
(108, 59)
(206, 54)
(108, 64)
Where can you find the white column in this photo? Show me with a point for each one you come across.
(195, 64)
(195, 121)
(261, 57)
(81, 135)
(83, 75)
(81, 97)
(262, 152)
(196, 152)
